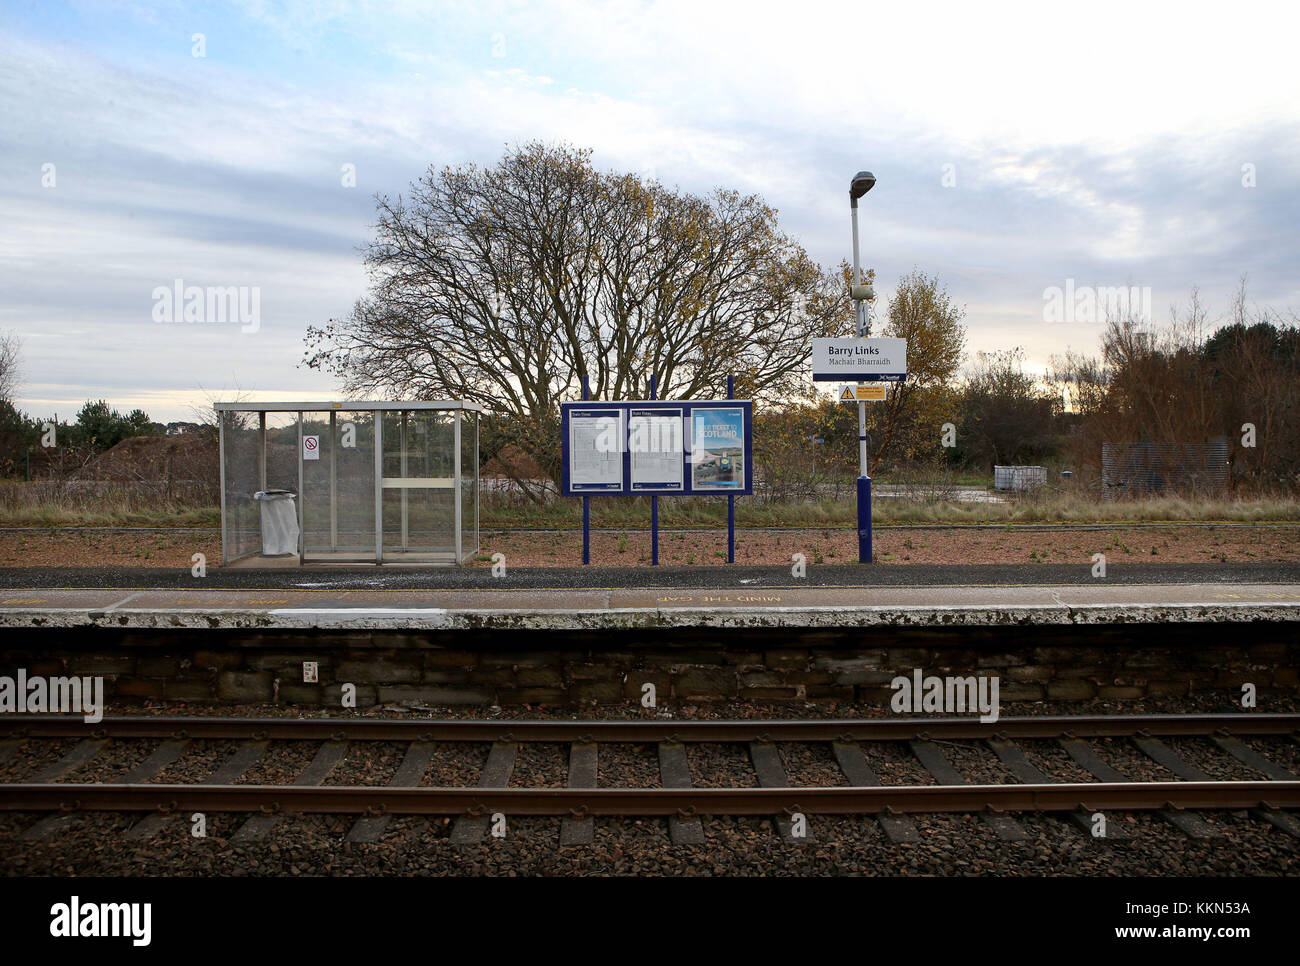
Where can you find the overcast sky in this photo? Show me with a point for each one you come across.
(1152, 145)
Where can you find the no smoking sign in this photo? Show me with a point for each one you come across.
(311, 447)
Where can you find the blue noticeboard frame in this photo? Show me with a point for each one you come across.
(704, 477)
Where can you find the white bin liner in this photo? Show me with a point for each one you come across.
(279, 522)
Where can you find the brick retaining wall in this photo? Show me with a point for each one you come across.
(568, 668)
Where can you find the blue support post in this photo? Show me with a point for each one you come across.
(864, 519)
(586, 500)
(731, 529)
(731, 500)
(654, 531)
(654, 500)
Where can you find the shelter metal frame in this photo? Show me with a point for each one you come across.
(394, 544)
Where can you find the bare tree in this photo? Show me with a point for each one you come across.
(209, 420)
(507, 285)
(1174, 384)
(1007, 416)
(10, 346)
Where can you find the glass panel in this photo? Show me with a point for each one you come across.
(469, 484)
(241, 456)
(282, 451)
(344, 476)
(418, 518)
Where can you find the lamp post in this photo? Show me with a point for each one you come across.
(862, 182)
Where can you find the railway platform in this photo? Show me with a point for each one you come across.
(591, 599)
(577, 638)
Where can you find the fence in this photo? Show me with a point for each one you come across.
(1019, 478)
(1157, 467)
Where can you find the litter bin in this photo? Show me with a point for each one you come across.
(279, 522)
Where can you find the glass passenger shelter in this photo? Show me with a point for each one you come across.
(374, 482)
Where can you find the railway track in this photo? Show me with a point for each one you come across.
(853, 745)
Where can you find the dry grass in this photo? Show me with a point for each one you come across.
(105, 504)
(128, 505)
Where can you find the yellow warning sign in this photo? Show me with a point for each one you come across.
(872, 392)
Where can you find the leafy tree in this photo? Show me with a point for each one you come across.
(507, 285)
(1006, 417)
(18, 434)
(921, 312)
(798, 450)
(100, 427)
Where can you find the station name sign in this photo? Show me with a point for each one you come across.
(656, 447)
(859, 360)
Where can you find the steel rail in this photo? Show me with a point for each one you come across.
(636, 731)
(274, 799)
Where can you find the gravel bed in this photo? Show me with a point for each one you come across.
(1054, 761)
(811, 765)
(201, 759)
(113, 762)
(1125, 758)
(31, 756)
(456, 763)
(721, 766)
(893, 545)
(369, 763)
(56, 547)
(540, 765)
(1285, 754)
(894, 763)
(1219, 765)
(628, 766)
(977, 763)
(281, 763)
(1129, 761)
(950, 844)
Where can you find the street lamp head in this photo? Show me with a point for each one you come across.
(862, 182)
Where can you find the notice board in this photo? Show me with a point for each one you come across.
(657, 447)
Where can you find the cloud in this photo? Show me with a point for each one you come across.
(1101, 150)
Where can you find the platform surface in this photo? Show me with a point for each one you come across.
(750, 597)
(732, 577)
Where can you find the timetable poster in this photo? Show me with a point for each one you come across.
(717, 449)
(654, 443)
(596, 451)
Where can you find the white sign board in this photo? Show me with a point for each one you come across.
(311, 447)
(596, 451)
(859, 360)
(654, 442)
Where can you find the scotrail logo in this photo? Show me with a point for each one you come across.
(229, 304)
(953, 695)
(1088, 304)
(102, 920)
(36, 694)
